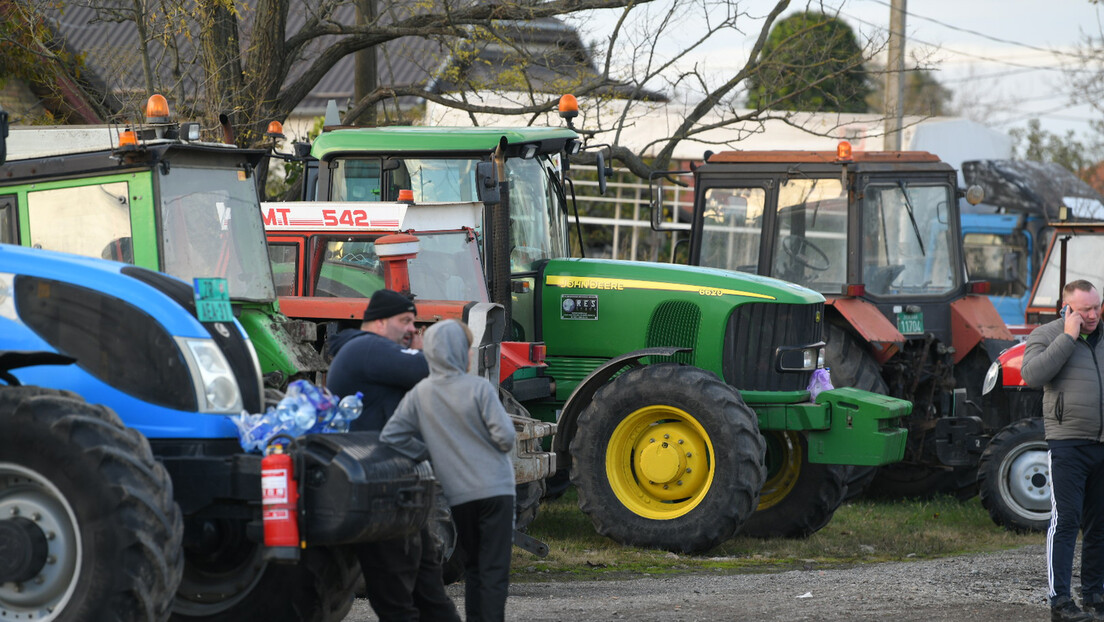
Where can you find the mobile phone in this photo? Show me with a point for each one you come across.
(1062, 313)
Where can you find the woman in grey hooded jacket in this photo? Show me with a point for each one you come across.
(458, 422)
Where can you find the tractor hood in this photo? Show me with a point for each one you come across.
(737, 287)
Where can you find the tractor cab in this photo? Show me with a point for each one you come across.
(158, 197)
(878, 235)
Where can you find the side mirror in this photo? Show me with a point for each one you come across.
(656, 190)
(604, 172)
(486, 183)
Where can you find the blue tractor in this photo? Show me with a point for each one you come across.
(124, 492)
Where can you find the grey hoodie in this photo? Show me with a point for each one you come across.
(463, 427)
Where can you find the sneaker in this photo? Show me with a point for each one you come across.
(1094, 604)
(1063, 609)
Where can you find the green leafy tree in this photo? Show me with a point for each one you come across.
(813, 62)
(1037, 144)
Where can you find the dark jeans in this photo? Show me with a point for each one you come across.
(485, 530)
(403, 580)
(1077, 503)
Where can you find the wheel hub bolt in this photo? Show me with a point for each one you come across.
(15, 511)
(680, 441)
(689, 455)
(679, 482)
(688, 469)
(666, 436)
(665, 486)
(51, 559)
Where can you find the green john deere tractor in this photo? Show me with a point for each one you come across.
(681, 393)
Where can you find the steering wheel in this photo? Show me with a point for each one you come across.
(797, 248)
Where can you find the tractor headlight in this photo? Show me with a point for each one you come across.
(800, 358)
(216, 388)
(991, 378)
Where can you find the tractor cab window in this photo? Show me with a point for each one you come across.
(357, 180)
(1048, 290)
(211, 226)
(732, 222)
(284, 259)
(93, 221)
(1000, 259)
(432, 180)
(907, 239)
(537, 220)
(810, 246)
(351, 268)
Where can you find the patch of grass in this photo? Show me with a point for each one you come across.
(860, 532)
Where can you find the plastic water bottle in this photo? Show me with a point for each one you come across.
(294, 416)
(347, 410)
(256, 437)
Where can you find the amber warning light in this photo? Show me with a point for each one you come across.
(275, 130)
(569, 109)
(157, 109)
(128, 139)
(843, 150)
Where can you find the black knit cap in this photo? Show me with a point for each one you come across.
(387, 303)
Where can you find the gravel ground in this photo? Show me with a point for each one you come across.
(992, 587)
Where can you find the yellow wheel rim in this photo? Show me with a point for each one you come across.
(784, 463)
(659, 462)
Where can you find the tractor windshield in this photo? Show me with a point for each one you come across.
(537, 220)
(352, 269)
(211, 227)
(907, 239)
(810, 246)
(1048, 291)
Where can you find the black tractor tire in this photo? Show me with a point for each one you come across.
(799, 497)
(668, 456)
(231, 586)
(1014, 477)
(527, 503)
(556, 485)
(852, 365)
(89, 488)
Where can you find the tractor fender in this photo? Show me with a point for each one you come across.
(975, 320)
(1011, 362)
(871, 325)
(585, 390)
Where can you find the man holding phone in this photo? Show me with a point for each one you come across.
(1066, 358)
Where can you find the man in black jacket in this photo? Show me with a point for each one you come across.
(1066, 358)
(383, 360)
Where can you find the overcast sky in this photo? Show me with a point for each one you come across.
(1002, 58)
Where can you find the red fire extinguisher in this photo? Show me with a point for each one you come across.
(280, 500)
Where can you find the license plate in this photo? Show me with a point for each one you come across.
(910, 323)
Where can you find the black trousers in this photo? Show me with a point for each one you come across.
(403, 580)
(1077, 503)
(485, 530)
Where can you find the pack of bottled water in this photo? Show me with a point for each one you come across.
(305, 409)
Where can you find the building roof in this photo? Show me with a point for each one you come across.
(113, 60)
